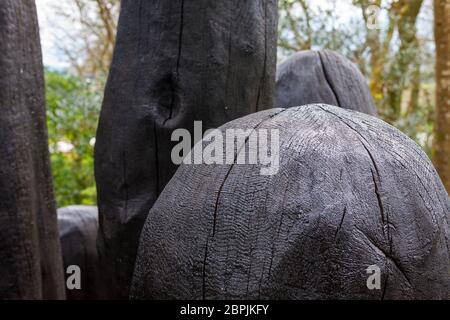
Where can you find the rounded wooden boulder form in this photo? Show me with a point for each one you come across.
(354, 206)
(78, 228)
(322, 77)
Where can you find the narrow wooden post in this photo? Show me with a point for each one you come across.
(30, 253)
(78, 229)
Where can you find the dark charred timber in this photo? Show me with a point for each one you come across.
(78, 228)
(175, 61)
(351, 192)
(322, 77)
(30, 254)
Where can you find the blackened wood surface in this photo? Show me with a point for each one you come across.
(351, 192)
(322, 77)
(175, 61)
(78, 228)
(30, 254)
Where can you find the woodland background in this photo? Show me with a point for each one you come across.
(394, 43)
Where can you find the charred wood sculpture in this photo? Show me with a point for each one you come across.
(78, 228)
(30, 253)
(322, 77)
(351, 192)
(175, 62)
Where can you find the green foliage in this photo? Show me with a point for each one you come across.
(73, 107)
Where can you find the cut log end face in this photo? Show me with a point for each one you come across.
(322, 77)
(351, 193)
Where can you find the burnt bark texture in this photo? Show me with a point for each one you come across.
(351, 192)
(30, 253)
(78, 228)
(175, 62)
(442, 127)
(322, 77)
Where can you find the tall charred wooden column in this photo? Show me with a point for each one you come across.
(175, 61)
(30, 254)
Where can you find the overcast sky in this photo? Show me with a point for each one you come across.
(52, 57)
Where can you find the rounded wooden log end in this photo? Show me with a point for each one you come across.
(322, 77)
(355, 211)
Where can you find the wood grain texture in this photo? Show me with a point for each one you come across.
(322, 77)
(351, 192)
(30, 254)
(78, 228)
(441, 143)
(175, 62)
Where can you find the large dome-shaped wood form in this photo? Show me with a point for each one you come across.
(322, 77)
(175, 62)
(351, 193)
(78, 228)
(30, 254)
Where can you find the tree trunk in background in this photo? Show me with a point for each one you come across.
(30, 253)
(406, 13)
(174, 62)
(387, 85)
(442, 131)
